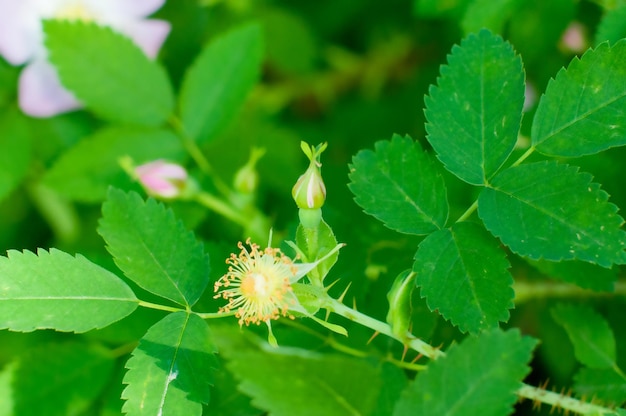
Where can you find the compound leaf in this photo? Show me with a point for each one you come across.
(171, 371)
(583, 109)
(553, 211)
(109, 73)
(474, 113)
(54, 290)
(153, 248)
(399, 185)
(462, 272)
(460, 384)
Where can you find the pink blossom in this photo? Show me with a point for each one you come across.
(162, 179)
(21, 42)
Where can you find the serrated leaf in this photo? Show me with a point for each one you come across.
(583, 274)
(474, 113)
(109, 73)
(153, 248)
(86, 171)
(553, 211)
(593, 339)
(461, 384)
(582, 110)
(171, 371)
(487, 14)
(58, 291)
(15, 157)
(219, 81)
(462, 272)
(60, 379)
(612, 27)
(288, 381)
(399, 185)
(604, 384)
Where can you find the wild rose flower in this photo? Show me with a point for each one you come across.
(21, 42)
(162, 179)
(258, 285)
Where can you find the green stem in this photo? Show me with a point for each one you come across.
(221, 207)
(523, 157)
(469, 212)
(196, 154)
(215, 315)
(381, 327)
(160, 307)
(526, 291)
(562, 401)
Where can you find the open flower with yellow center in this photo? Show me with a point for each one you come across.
(258, 284)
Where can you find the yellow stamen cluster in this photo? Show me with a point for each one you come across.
(257, 285)
(75, 11)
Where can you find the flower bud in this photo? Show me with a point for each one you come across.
(247, 178)
(309, 192)
(162, 179)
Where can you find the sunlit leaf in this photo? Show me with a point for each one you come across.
(153, 248)
(488, 14)
(612, 27)
(219, 81)
(109, 73)
(171, 370)
(58, 291)
(604, 384)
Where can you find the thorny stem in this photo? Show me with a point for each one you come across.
(526, 391)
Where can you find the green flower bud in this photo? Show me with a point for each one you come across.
(399, 297)
(247, 178)
(309, 192)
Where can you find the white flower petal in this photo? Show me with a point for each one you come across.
(20, 31)
(149, 35)
(130, 8)
(41, 93)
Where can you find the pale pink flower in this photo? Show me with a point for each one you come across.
(21, 42)
(574, 39)
(162, 179)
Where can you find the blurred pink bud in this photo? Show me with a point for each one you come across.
(162, 179)
(574, 39)
(21, 42)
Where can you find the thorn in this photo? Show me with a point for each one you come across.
(417, 357)
(372, 337)
(333, 284)
(404, 351)
(343, 295)
(354, 304)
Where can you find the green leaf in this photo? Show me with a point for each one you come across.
(477, 377)
(593, 339)
(153, 248)
(474, 113)
(604, 384)
(57, 291)
(15, 157)
(583, 274)
(171, 371)
(487, 14)
(582, 110)
(289, 381)
(60, 379)
(85, 172)
(612, 27)
(109, 73)
(463, 273)
(553, 211)
(400, 186)
(219, 81)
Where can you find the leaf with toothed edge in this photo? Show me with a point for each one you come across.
(552, 211)
(171, 371)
